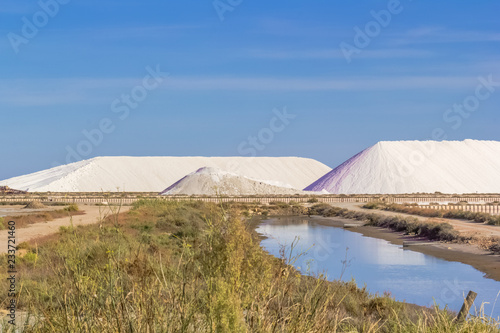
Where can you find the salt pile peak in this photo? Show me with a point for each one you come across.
(397, 167)
(213, 181)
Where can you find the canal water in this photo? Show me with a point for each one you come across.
(383, 267)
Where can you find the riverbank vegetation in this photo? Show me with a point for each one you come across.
(414, 209)
(432, 229)
(195, 267)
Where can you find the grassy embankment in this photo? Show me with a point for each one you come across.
(195, 267)
(428, 212)
(432, 230)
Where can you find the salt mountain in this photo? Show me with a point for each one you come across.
(154, 174)
(399, 167)
(213, 181)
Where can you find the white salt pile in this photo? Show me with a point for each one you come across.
(399, 167)
(213, 181)
(153, 174)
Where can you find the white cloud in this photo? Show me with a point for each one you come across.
(319, 84)
(432, 34)
(102, 91)
(46, 92)
(336, 53)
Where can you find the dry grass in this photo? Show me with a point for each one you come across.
(194, 267)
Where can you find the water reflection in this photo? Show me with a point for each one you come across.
(381, 266)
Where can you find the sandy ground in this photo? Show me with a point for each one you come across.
(482, 260)
(33, 231)
(16, 210)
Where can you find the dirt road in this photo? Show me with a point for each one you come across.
(461, 226)
(93, 214)
(17, 210)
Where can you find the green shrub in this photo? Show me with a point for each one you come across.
(373, 205)
(279, 204)
(72, 208)
(494, 220)
(29, 258)
(24, 246)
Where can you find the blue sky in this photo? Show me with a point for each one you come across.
(225, 77)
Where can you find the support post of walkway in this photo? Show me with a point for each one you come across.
(464, 311)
